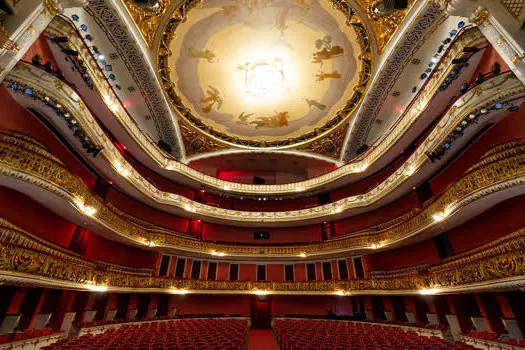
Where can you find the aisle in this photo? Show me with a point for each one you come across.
(262, 339)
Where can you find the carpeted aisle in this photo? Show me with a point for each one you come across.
(262, 339)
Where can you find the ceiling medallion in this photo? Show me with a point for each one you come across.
(273, 73)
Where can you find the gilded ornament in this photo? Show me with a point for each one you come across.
(384, 25)
(481, 17)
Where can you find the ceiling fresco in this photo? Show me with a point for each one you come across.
(265, 73)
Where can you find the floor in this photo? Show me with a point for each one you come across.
(262, 339)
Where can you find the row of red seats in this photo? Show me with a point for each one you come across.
(96, 323)
(201, 334)
(27, 334)
(335, 335)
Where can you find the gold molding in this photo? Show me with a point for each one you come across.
(18, 265)
(331, 145)
(196, 142)
(29, 165)
(498, 89)
(61, 28)
(148, 19)
(384, 27)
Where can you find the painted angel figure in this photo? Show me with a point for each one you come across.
(212, 99)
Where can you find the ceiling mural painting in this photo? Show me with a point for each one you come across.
(268, 73)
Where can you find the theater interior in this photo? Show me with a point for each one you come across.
(356, 180)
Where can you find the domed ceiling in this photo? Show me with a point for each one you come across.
(265, 73)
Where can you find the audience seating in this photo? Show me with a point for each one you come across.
(201, 334)
(335, 335)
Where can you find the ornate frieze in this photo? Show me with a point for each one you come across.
(26, 164)
(497, 90)
(19, 263)
(158, 157)
(384, 24)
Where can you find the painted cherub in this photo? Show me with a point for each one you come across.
(212, 99)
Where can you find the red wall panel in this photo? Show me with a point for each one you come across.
(22, 211)
(204, 270)
(498, 221)
(40, 47)
(141, 211)
(213, 304)
(213, 232)
(510, 128)
(386, 213)
(283, 305)
(299, 272)
(319, 271)
(187, 270)
(99, 248)
(335, 270)
(420, 253)
(16, 118)
(223, 271)
(275, 272)
(247, 272)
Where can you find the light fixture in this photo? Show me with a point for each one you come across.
(340, 292)
(438, 217)
(151, 244)
(264, 78)
(86, 209)
(299, 189)
(179, 291)
(227, 187)
(260, 292)
(113, 107)
(89, 210)
(217, 253)
(373, 246)
(336, 210)
(430, 291)
(364, 167)
(443, 215)
(189, 208)
(410, 170)
(96, 288)
(122, 170)
(303, 255)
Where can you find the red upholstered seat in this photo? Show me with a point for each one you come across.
(335, 335)
(202, 334)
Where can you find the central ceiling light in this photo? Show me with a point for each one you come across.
(264, 78)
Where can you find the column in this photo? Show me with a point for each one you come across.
(508, 317)
(63, 314)
(501, 29)
(25, 26)
(12, 314)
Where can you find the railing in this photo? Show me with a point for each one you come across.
(487, 344)
(34, 343)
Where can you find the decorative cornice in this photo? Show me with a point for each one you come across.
(331, 145)
(24, 164)
(470, 38)
(390, 71)
(384, 27)
(23, 265)
(110, 22)
(196, 142)
(498, 89)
